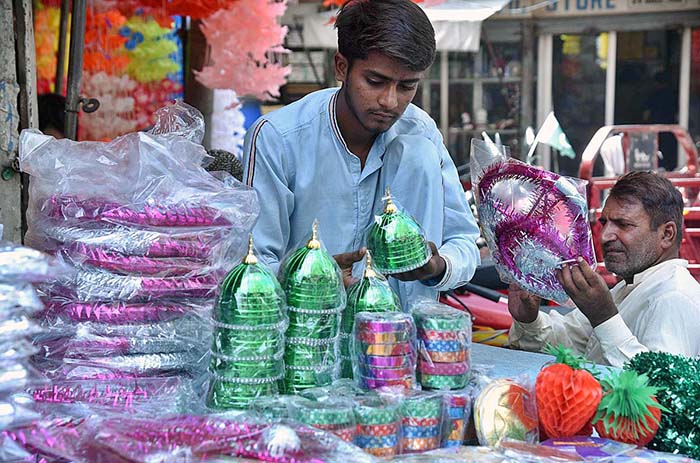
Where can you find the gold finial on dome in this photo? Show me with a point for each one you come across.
(314, 243)
(369, 271)
(250, 258)
(390, 207)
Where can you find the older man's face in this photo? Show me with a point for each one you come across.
(630, 246)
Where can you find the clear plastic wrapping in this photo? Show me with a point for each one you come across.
(185, 439)
(423, 419)
(149, 234)
(98, 285)
(19, 303)
(459, 411)
(506, 409)
(444, 345)
(142, 396)
(184, 243)
(333, 415)
(378, 426)
(533, 220)
(18, 299)
(22, 264)
(397, 241)
(247, 353)
(371, 293)
(384, 350)
(121, 312)
(313, 286)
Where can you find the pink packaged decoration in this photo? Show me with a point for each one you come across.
(533, 220)
(149, 234)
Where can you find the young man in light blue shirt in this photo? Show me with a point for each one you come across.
(332, 154)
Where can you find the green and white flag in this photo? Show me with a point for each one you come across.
(551, 134)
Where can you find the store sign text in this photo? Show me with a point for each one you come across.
(589, 6)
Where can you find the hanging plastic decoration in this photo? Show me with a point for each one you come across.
(46, 23)
(149, 49)
(533, 220)
(227, 121)
(397, 241)
(116, 106)
(242, 38)
(104, 46)
(339, 3)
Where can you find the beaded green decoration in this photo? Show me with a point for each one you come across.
(248, 346)
(371, 293)
(397, 241)
(313, 284)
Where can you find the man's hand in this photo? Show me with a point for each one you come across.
(588, 291)
(433, 269)
(522, 305)
(345, 262)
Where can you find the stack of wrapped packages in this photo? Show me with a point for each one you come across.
(19, 301)
(149, 234)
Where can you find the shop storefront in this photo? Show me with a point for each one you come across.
(605, 62)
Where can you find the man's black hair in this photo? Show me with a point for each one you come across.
(52, 111)
(398, 29)
(660, 199)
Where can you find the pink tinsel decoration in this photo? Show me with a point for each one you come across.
(241, 39)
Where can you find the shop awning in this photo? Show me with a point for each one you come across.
(457, 24)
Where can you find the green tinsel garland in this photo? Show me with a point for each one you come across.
(679, 380)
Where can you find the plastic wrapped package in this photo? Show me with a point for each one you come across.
(22, 265)
(313, 285)
(53, 440)
(333, 415)
(154, 198)
(179, 119)
(534, 221)
(343, 387)
(444, 345)
(17, 299)
(98, 285)
(516, 450)
(464, 454)
(133, 396)
(150, 234)
(17, 374)
(247, 353)
(174, 243)
(120, 312)
(397, 241)
(505, 409)
(81, 256)
(423, 419)
(371, 293)
(185, 439)
(605, 450)
(88, 339)
(272, 407)
(384, 350)
(18, 327)
(19, 302)
(378, 426)
(459, 411)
